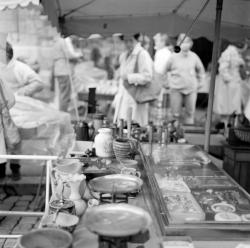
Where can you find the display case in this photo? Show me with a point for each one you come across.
(191, 196)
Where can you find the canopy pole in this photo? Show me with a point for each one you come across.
(213, 73)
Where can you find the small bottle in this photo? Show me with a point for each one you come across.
(105, 123)
(165, 136)
(121, 126)
(159, 134)
(114, 130)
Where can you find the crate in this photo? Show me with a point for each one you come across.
(237, 164)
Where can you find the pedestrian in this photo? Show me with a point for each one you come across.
(62, 53)
(136, 68)
(185, 74)
(228, 87)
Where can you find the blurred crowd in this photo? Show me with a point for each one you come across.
(129, 62)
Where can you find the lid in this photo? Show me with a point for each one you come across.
(105, 130)
(117, 220)
(65, 204)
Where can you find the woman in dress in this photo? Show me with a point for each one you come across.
(228, 87)
(134, 57)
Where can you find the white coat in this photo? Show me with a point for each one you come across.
(9, 97)
(228, 95)
(123, 100)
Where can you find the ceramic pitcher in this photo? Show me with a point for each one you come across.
(104, 143)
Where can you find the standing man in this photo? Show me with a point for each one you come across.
(63, 51)
(186, 73)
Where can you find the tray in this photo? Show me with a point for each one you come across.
(117, 183)
(182, 207)
(117, 220)
(234, 197)
(208, 182)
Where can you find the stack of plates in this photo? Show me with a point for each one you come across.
(122, 149)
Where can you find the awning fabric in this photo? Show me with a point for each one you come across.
(83, 17)
(12, 4)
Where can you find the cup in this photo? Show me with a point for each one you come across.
(130, 171)
(93, 203)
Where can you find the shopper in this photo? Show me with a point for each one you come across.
(20, 77)
(135, 56)
(228, 95)
(9, 97)
(62, 53)
(162, 56)
(186, 73)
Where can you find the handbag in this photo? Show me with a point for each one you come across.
(147, 92)
(10, 130)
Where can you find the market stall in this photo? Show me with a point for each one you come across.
(186, 199)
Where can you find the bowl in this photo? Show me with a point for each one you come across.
(129, 163)
(63, 220)
(46, 238)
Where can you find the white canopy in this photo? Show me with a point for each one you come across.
(83, 17)
(12, 4)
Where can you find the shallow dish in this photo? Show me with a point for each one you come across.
(223, 207)
(62, 220)
(227, 217)
(117, 220)
(116, 183)
(46, 237)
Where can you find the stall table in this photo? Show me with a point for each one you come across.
(201, 178)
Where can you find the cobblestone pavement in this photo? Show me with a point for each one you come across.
(18, 202)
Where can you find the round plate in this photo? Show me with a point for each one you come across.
(117, 220)
(116, 183)
(226, 216)
(223, 207)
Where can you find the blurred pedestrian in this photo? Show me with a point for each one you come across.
(136, 68)
(228, 87)
(186, 73)
(62, 53)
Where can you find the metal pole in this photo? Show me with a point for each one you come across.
(21, 213)
(213, 73)
(28, 157)
(48, 167)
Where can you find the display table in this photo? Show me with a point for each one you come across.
(195, 210)
(237, 164)
(205, 183)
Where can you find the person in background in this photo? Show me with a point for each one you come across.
(63, 51)
(22, 80)
(11, 101)
(20, 77)
(162, 54)
(228, 91)
(246, 79)
(186, 73)
(135, 55)
(146, 43)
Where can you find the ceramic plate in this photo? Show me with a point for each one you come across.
(223, 207)
(226, 216)
(117, 220)
(116, 183)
